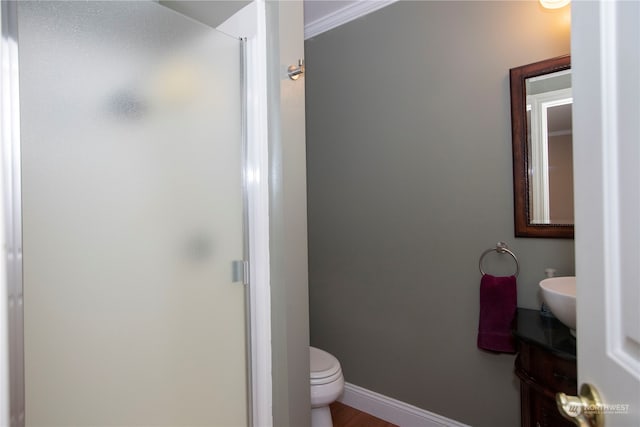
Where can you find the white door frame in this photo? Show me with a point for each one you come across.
(257, 173)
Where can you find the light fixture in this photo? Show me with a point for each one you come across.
(554, 4)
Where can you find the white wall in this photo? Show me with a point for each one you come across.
(288, 218)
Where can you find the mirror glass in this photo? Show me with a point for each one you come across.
(549, 135)
(541, 102)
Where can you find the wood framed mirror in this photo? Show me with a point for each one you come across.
(541, 102)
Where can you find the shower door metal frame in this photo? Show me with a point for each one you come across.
(12, 209)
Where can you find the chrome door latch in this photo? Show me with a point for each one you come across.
(240, 271)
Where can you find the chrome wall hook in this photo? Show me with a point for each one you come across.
(294, 71)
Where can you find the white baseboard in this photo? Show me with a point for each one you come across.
(392, 410)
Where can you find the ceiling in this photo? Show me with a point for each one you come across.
(212, 13)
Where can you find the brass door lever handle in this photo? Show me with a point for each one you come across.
(585, 410)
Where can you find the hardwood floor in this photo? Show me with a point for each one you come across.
(346, 416)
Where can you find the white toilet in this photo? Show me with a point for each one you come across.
(327, 384)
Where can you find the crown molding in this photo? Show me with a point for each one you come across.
(343, 15)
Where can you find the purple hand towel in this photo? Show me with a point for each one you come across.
(498, 299)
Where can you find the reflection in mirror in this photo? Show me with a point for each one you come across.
(541, 103)
(549, 134)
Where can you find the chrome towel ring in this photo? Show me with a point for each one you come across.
(500, 248)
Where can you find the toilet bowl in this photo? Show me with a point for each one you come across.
(327, 384)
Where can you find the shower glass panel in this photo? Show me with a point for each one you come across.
(132, 216)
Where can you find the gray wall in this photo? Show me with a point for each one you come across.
(409, 181)
(288, 219)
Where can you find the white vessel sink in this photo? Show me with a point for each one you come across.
(559, 293)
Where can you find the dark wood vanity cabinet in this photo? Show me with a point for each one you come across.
(542, 375)
(545, 365)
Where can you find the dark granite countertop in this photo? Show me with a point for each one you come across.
(545, 332)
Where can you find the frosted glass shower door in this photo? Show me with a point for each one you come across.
(132, 214)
